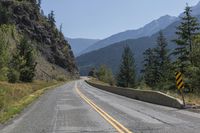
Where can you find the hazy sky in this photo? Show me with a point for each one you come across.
(102, 18)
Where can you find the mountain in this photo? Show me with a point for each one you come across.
(80, 44)
(111, 55)
(147, 30)
(103, 55)
(54, 56)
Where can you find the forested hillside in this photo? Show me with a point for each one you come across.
(25, 19)
(110, 55)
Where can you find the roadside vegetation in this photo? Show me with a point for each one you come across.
(18, 52)
(15, 97)
(160, 63)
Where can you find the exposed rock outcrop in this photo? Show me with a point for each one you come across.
(25, 14)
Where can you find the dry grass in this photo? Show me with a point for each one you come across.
(94, 80)
(190, 98)
(15, 97)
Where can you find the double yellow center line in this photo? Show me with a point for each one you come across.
(119, 127)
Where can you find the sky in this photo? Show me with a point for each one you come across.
(98, 19)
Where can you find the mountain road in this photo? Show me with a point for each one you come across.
(78, 107)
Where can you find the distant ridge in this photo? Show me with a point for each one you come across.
(147, 30)
(80, 44)
(111, 54)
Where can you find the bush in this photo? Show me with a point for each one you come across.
(3, 74)
(61, 78)
(104, 74)
(1, 102)
(4, 15)
(13, 76)
(26, 75)
(92, 73)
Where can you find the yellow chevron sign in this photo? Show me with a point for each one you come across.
(179, 80)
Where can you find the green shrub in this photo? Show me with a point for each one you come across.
(3, 73)
(4, 15)
(13, 76)
(1, 102)
(104, 74)
(61, 78)
(26, 74)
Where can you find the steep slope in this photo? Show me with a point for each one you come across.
(80, 44)
(111, 55)
(147, 30)
(54, 55)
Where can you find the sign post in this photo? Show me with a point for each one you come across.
(180, 84)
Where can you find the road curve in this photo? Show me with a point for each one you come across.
(78, 107)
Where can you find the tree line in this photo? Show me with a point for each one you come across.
(161, 63)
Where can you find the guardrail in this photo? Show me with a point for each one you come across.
(154, 97)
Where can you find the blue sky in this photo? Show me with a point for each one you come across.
(97, 19)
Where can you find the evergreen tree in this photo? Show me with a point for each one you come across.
(42, 13)
(162, 57)
(185, 33)
(157, 65)
(126, 75)
(23, 61)
(150, 71)
(196, 51)
(4, 50)
(4, 15)
(92, 73)
(194, 71)
(39, 3)
(61, 27)
(51, 18)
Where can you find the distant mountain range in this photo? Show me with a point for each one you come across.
(147, 30)
(111, 54)
(80, 44)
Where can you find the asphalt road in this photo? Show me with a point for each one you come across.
(77, 107)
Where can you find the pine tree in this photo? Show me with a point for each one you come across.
(157, 65)
(4, 15)
(51, 18)
(92, 73)
(185, 33)
(126, 75)
(162, 57)
(194, 71)
(3, 51)
(61, 27)
(39, 3)
(150, 70)
(23, 61)
(196, 51)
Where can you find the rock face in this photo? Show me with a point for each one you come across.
(48, 40)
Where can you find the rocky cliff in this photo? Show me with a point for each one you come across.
(55, 56)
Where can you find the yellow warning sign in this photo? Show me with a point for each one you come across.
(179, 80)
